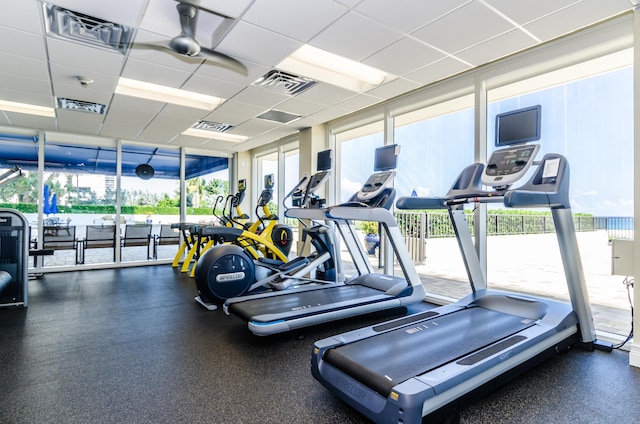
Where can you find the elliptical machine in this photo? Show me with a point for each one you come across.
(229, 269)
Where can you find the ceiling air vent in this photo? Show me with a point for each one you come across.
(85, 29)
(212, 126)
(285, 82)
(81, 106)
(278, 116)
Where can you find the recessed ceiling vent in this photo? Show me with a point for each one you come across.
(212, 126)
(85, 29)
(278, 116)
(81, 106)
(285, 82)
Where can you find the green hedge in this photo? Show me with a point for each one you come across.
(110, 210)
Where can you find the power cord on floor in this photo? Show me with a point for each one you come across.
(628, 282)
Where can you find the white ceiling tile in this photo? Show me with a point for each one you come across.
(358, 102)
(187, 115)
(326, 94)
(23, 120)
(355, 37)
(404, 56)
(84, 57)
(212, 86)
(576, 16)
(394, 88)
(463, 28)
(27, 85)
(83, 122)
(527, 11)
(66, 75)
(232, 9)
(24, 66)
(21, 43)
(285, 17)
(20, 95)
(495, 48)
(437, 71)
(407, 15)
(300, 106)
(154, 73)
(255, 126)
(259, 97)
(24, 15)
(249, 42)
(243, 110)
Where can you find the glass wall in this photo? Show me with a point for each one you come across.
(590, 121)
(436, 144)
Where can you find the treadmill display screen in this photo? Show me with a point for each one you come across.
(324, 160)
(518, 126)
(386, 158)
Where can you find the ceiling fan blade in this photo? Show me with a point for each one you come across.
(159, 45)
(223, 60)
(188, 18)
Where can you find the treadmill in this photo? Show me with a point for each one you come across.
(281, 311)
(429, 364)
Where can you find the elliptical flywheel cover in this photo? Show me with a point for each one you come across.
(145, 171)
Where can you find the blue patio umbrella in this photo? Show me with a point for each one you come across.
(54, 203)
(46, 207)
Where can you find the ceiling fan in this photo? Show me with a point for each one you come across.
(185, 43)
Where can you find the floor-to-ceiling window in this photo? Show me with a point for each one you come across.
(587, 116)
(436, 144)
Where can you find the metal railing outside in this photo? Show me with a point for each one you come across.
(417, 227)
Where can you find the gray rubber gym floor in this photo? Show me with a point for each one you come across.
(132, 346)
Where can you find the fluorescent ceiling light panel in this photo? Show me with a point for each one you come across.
(160, 93)
(49, 112)
(333, 69)
(194, 132)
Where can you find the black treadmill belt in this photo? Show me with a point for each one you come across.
(301, 303)
(383, 361)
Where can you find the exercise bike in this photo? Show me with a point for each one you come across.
(230, 268)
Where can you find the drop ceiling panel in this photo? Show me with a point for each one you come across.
(24, 66)
(300, 106)
(463, 28)
(212, 86)
(358, 102)
(365, 37)
(255, 126)
(22, 95)
(404, 56)
(249, 42)
(24, 16)
(407, 15)
(21, 43)
(284, 17)
(22, 120)
(63, 75)
(82, 122)
(154, 73)
(497, 47)
(523, 12)
(326, 94)
(394, 88)
(184, 114)
(437, 70)
(232, 9)
(240, 110)
(27, 85)
(260, 97)
(574, 17)
(84, 57)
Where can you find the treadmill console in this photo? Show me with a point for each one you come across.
(374, 185)
(508, 165)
